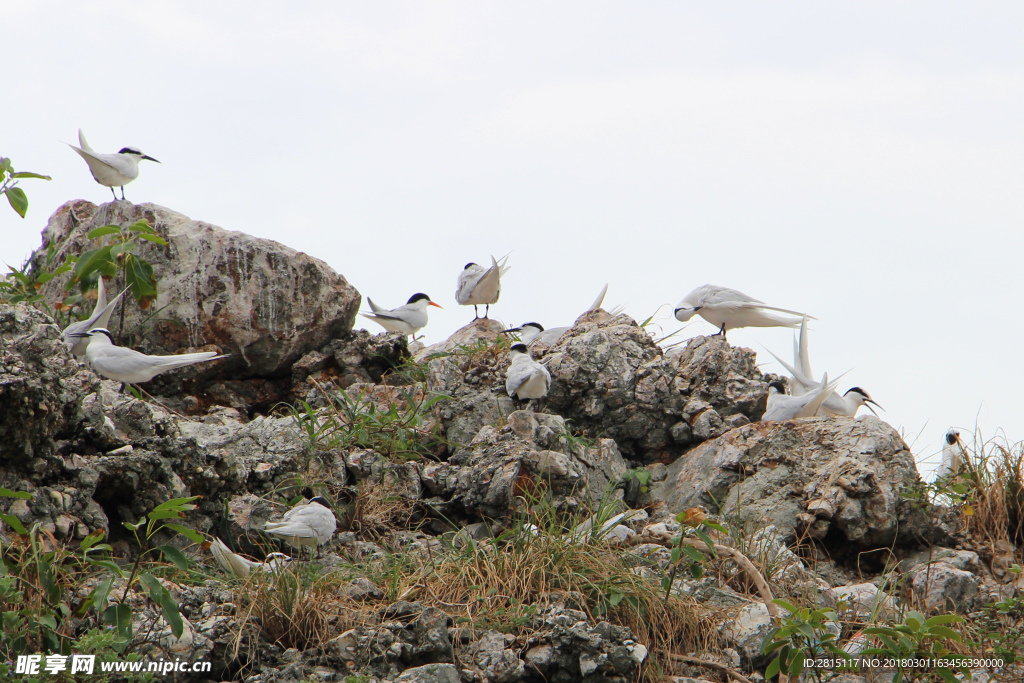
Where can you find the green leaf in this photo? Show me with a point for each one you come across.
(944, 619)
(773, 669)
(14, 523)
(139, 276)
(101, 591)
(47, 621)
(156, 589)
(796, 665)
(166, 514)
(92, 539)
(122, 248)
(152, 238)
(105, 230)
(7, 493)
(946, 632)
(171, 614)
(788, 605)
(693, 553)
(17, 199)
(91, 261)
(120, 617)
(141, 225)
(702, 535)
(26, 174)
(191, 534)
(715, 525)
(174, 555)
(107, 564)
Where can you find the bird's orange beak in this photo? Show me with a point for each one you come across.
(431, 303)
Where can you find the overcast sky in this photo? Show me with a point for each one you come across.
(860, 161)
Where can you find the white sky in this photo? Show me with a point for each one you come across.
(860, 161)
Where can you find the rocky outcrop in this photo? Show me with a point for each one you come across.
(835, 478)
(41, 385)
(259, 301)
(610, 379)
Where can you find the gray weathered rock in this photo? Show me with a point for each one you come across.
(41, 385)
(941, 585)
(430, 673)
(610, 378)
(472, 372)
(265, 304)
(836, 476)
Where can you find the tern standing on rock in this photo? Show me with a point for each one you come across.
(526, 378)
(111, 170)
(477, 287)
(728, 309)
(309, 525)
(408, 319)
(128, 365)
(233, 563)
(952, 455)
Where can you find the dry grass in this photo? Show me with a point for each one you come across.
(502, 583)
(994, 471)
(377, 510)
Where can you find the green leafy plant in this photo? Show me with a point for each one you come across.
(918, 640)
(9, 178)
(804, 634)
(38, 579)
(116, 257)
(1001, 629)
(405, 430)
(685, 555)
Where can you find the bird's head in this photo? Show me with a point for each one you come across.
(952, 436)
(135, 152)
(684, 311)
(420, 296)
(861, 398)
(776, 387)
(520, 349)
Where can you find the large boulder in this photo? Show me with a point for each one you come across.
(41, 385)
(610, 379)
(263, 303)
(837, 479)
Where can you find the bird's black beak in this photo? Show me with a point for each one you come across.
(868, 403)
(511, 329)
(80, 334)
(144, 156)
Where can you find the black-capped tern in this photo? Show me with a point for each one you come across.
(952, 455)
(532, 332)
(784, 407)
(801, 382)
(728, 309)
(73, 335)
(111, 170)
(241, 567)
(526, 379)
(309, 525)
(129, 366)
(407, 319)
(477, 286)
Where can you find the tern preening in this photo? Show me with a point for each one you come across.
(530, 333)
(309, 525)
(129, 366)
(111, 170)
(728, 309)
(801, 382)
(478, 287)
(241, 567)
(784, 407)
(952, 455)
(526, 378)
(407, 319)
(73, 335)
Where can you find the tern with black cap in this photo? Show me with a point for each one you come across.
(409, 318)
(728, 309)
(111, 170)
(479, 286)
